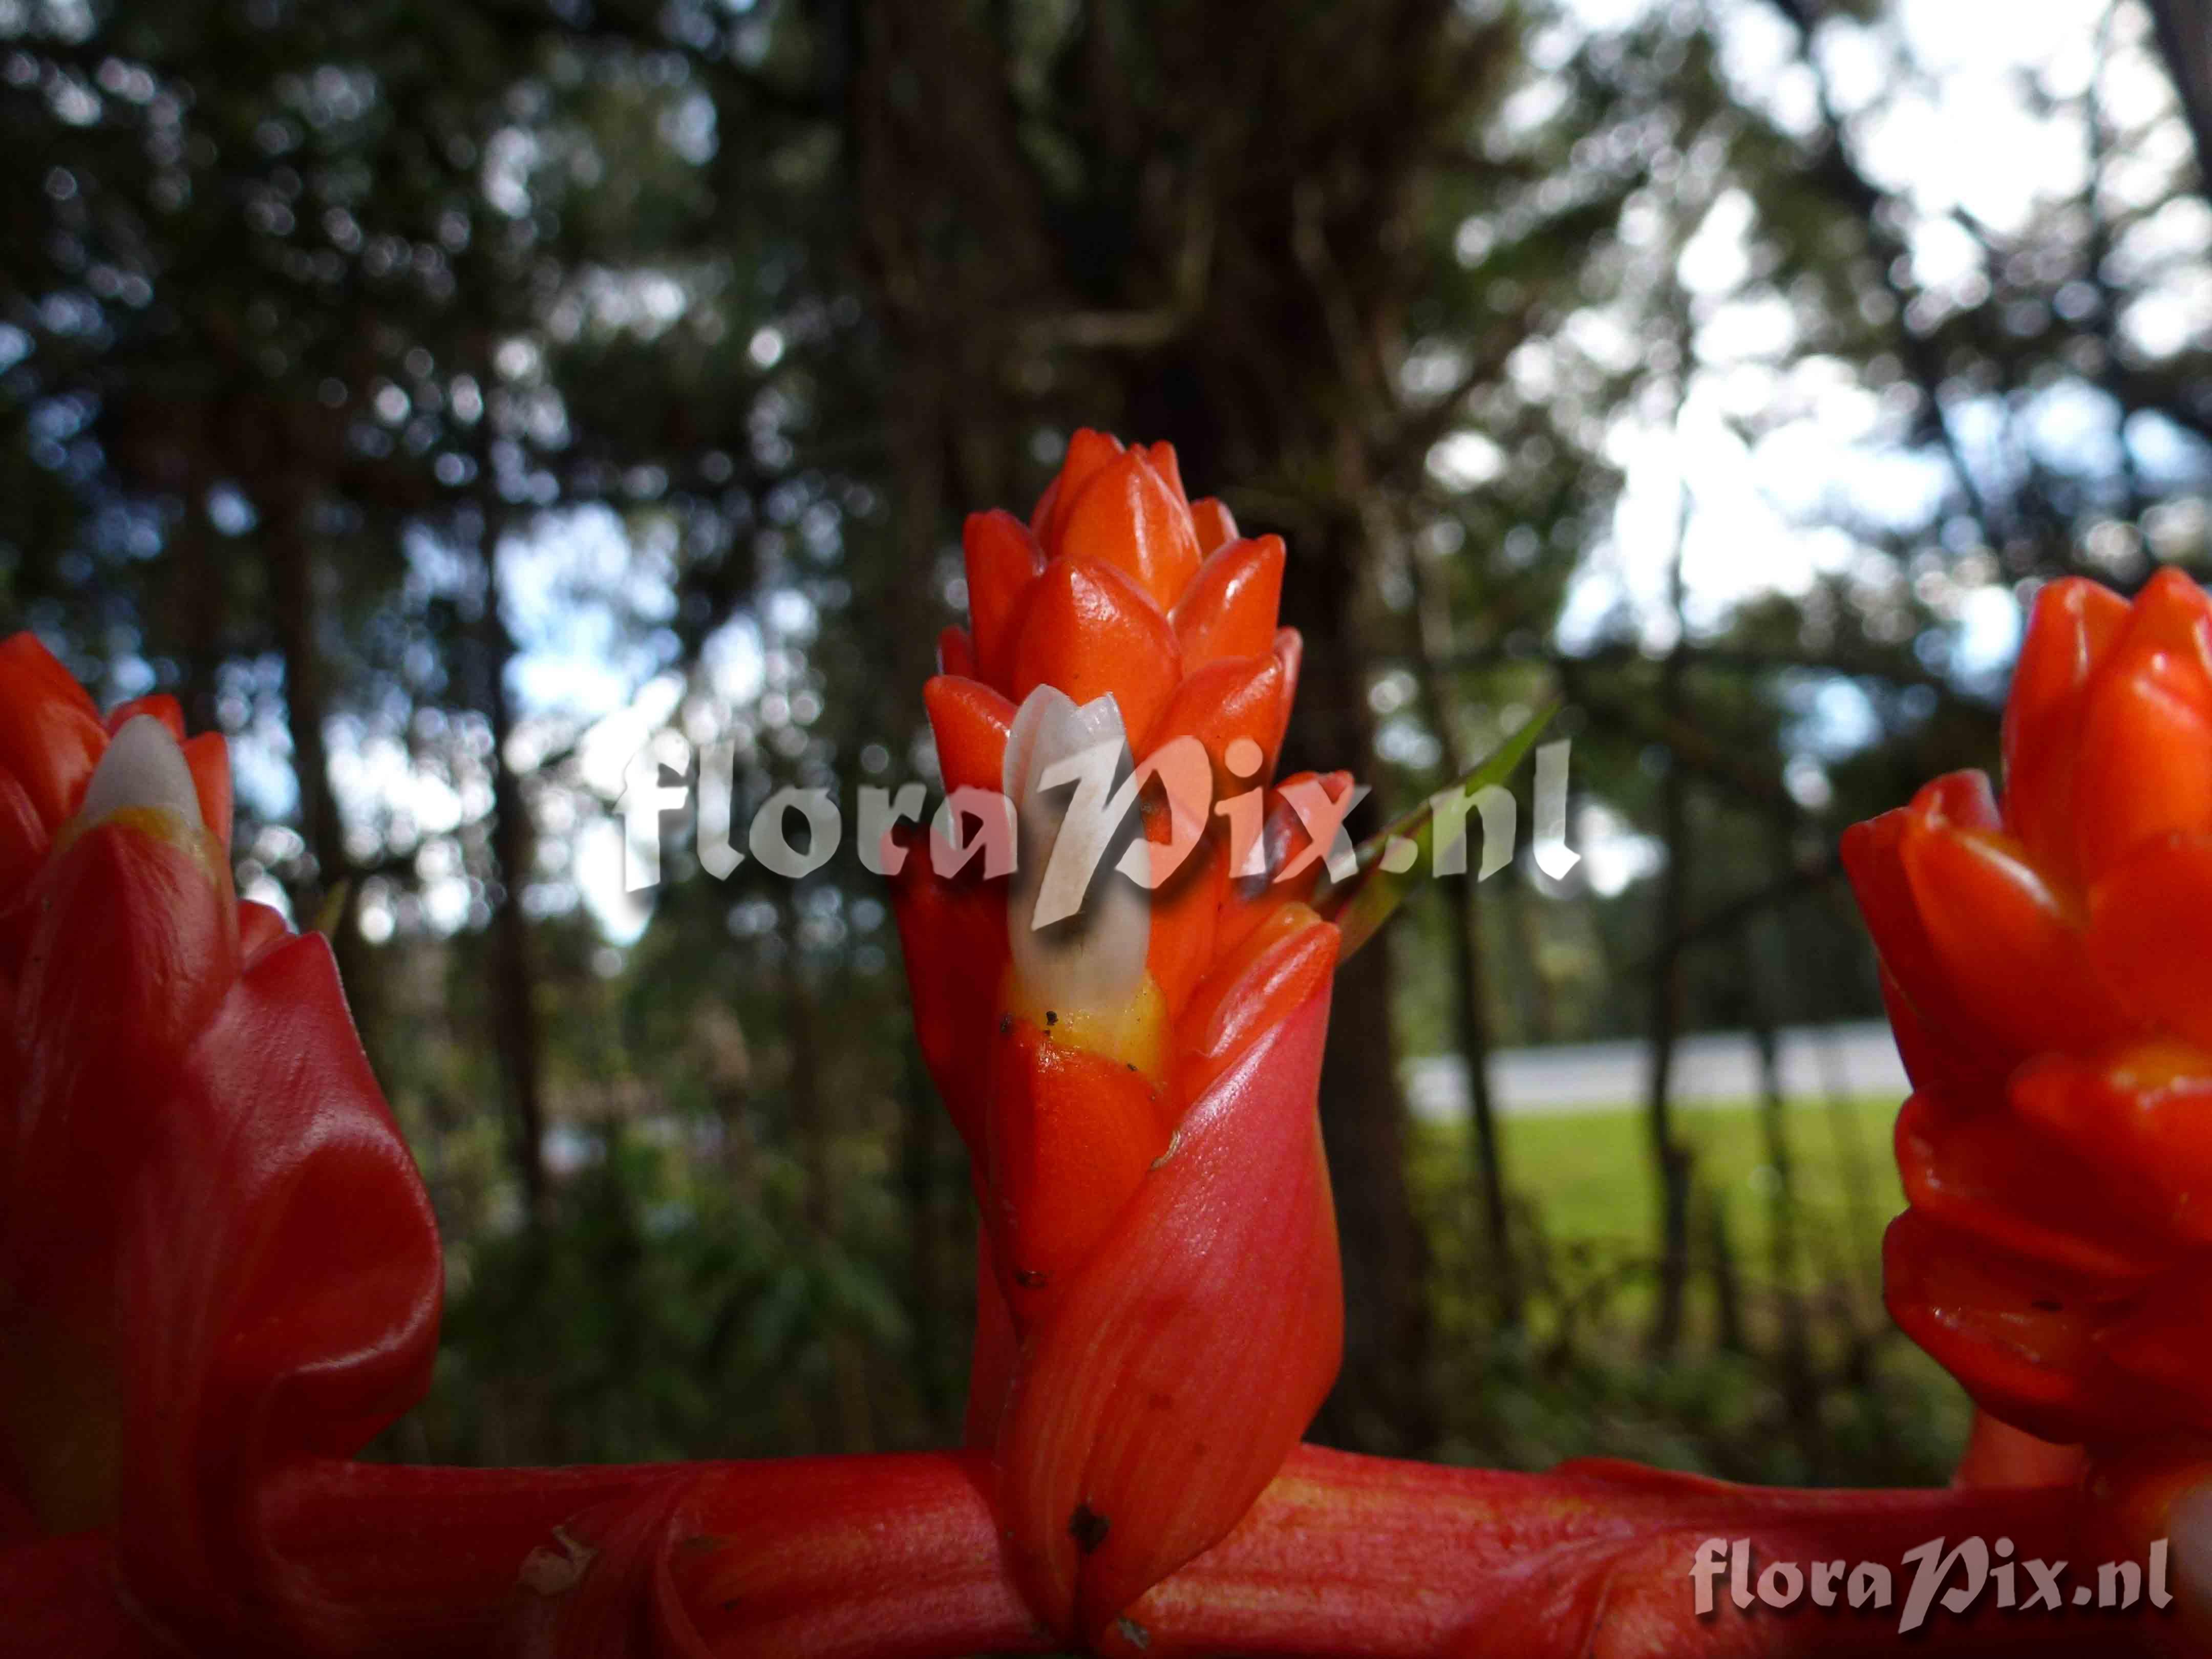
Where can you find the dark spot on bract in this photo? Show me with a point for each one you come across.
(2047, 1304)
(1050, 1018)
(1030, 1277)
(1088, 1528)
(1005, 1025)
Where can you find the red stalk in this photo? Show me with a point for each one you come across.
(898, 1556)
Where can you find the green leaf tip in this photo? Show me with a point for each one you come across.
(1361, 903)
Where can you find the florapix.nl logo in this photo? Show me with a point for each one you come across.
(1079, 812)
(1955, 1579)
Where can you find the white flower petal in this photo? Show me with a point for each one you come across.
(1093, 961)
(142, 766)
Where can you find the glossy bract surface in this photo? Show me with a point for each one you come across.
(2043, 956)
(1161, 1301)
(216, 1255)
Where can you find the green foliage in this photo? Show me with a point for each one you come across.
(1576, 1380)
(652, 1316)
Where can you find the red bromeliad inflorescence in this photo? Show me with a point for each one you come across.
(215, 1256)
(219, 1275)
(2040, 955)
(1152, 1342)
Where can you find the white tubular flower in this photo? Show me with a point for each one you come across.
(143, 769)
(1077, 930)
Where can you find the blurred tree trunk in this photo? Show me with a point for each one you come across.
(514, 984)
(333, 901)
(1539, 1017)
(1801, 1399)
(1382, 1397)
(1670, 1158)
(1462, 915)
(1471, 1021)
(196, 607)
(1848, 955)
(2184, 36)
(1728, 1277)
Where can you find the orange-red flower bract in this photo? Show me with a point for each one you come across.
(2044, 958)
(216, 1255)
(1160, 1304)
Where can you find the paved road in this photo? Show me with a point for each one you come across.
(1712, 1068)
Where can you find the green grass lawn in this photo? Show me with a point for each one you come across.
(1588, 1175)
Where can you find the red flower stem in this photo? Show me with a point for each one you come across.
(420, 1561)
(897, 1557)
(1347, 1555)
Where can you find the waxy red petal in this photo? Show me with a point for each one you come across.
(2020, 1337)
(2165, 1342)
(2143, 1119)
(2010, 953)
(135, 943)
(953, 936)
(2145, 764)
(50, 736)
(1156, 1400)
(1003, 560)
(1987, 1173)
(297, 1316)
(971, 723)
(212, 1235)
(1185, 911)
(1252, 900)
(1215, 525)
(1290, 652)
(260, 930)
(1089, 630)
(1912, 977)
(161, 706)
(1162, 458)
(2149, 920)
(24, 837)
(1932, 1061)
(2073, 626)
(1275, 968)
(208, 756)
(1231, 698)
(955, 653)
(1128, 516)
(1229, 609)
(1089, 452)
(1072, 1133)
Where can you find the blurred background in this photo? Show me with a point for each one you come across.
(451, 401)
